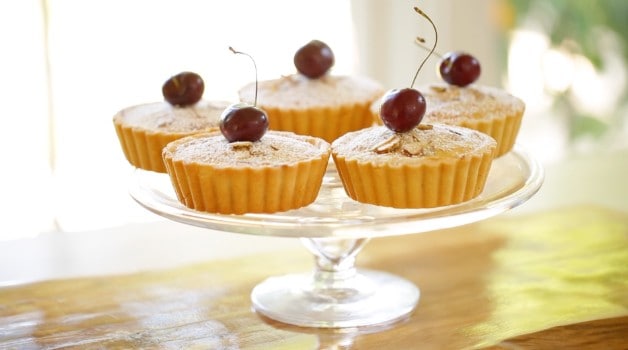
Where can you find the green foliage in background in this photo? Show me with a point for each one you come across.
(576, 21)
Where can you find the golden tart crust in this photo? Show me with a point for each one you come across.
(282, 171)
(326, 107)
(144, 130)
(429, 166)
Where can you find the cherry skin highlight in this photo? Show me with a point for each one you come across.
(459, 68)
(185, 88)
(402, 109)
(314, 59)
(243, 122)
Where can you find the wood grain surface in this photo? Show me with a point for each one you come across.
(540, 281)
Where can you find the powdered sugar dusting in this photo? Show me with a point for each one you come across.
(419, 144)
(298, 92)
(164, 117)
(452, 104)
(275, 148)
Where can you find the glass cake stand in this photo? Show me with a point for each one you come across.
(334, 229)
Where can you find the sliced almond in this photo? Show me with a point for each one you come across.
(387, 146)
(412, 148)
(238, 145)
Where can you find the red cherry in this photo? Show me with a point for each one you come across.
(185, 88)
(314, 59)
(402, 109)
(243, 122)
(459, 68)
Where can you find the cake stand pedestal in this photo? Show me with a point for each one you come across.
(334, 229)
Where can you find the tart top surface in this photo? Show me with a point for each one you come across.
(297, 91)
(162, 116)
(426, 142)
(275, 148)
(449, 103)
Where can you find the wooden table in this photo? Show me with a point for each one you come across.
(557, 279)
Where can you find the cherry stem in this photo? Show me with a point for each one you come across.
(421, 43)
(254, 65)
(418, 10)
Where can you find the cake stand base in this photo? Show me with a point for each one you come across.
(368, 298)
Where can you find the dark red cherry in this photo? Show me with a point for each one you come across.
(402, 109)
(459, 68)
(243, 122)
(185, 88)
(314, 59)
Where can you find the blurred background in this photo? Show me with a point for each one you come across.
(68, 66)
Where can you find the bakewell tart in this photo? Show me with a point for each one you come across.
(428, 166)
(314, 101)
(487, 109)
(490, 110)
(144, 130)
(279, 172)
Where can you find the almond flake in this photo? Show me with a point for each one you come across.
(241, 145)
(438, 88)
(388, 145)
(412, 149)
(164, 122)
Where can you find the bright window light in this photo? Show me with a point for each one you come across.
(108, 55)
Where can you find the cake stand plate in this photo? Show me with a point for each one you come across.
(513, 179)
(334, 229)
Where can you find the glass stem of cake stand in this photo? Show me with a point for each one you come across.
(335, 294)
(335, 277)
